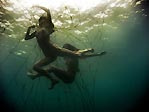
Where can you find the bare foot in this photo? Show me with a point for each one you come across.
(32, 74)
(91, 50)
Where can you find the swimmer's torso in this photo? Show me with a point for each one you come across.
(42, 35)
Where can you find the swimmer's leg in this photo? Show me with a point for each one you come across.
(41, 72)
(72, 48)
(91, 50)
(65, 76)
(93, 54)
(57, 72)
(41, 63)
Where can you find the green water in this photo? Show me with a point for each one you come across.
(114, 82)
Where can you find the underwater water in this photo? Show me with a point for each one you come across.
(115, 82)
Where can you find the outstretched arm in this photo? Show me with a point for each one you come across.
(46, 10)
(28, 35)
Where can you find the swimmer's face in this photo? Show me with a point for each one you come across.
(42, 21)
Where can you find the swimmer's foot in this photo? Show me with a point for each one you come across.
(90, 50)
(33, 75)
(54, 82)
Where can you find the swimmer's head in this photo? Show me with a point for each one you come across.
(42, 20)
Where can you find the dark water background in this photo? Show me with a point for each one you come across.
(115, 82)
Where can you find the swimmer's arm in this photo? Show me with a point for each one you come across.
(48, 14)
(47, 11)
(28, 35)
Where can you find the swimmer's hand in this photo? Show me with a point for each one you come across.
(37, 6)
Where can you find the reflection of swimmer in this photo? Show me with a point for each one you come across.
(50, 51)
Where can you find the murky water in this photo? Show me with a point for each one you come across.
(111, 83)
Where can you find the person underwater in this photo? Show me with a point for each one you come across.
(52, 51)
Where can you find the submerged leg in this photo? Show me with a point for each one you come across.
(65, 76)
(70, 47)
(41, 72)
(43, 62)
(91, 50)
(94, 54)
